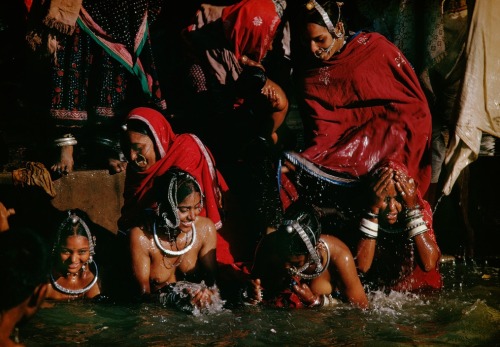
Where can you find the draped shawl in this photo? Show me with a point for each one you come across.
(184, 151)
(366, 105)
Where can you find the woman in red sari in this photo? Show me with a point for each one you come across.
(397, 249)
(362, 104)
(152, 148)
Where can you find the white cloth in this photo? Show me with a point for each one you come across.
(479, 104)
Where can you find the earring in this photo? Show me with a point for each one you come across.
(141, 160)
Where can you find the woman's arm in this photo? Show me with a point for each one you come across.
(365, 254)
(141, 261)
(369, 223)
(343, 262)
(427, 250)
(207, 254)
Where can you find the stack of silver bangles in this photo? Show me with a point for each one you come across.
(415, 223)
(66, 140)
(369, 228)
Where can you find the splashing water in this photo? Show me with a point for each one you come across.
(185, 290)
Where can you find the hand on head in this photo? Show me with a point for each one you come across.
(406, 187)
(380, 186)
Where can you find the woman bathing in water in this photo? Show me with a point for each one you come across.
(298, 266)
(74, 272)
(174, 244)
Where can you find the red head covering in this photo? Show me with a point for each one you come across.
(250, 25)
(184, 151)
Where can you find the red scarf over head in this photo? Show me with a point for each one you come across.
(366, 105)
(250, 25)
(184, 151)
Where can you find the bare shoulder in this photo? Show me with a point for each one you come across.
(205, 225)
(334, 243)
(137, 235)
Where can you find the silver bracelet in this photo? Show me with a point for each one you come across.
(420, 229)
(328, 300)
(66, 140)
(368, 228)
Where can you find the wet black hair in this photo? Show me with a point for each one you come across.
(24, 265)
(308, 217)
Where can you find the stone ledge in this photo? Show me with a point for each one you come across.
(95, 192)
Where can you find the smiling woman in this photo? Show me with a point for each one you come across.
(74, 272)
(173, 250)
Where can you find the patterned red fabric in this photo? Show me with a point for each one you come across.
(186, 152)
(366, 105)
(251, 25)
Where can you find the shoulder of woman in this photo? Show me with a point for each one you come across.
(205, 224)
(136, 233)
(333, 242)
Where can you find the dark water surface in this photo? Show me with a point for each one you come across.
(465, 313)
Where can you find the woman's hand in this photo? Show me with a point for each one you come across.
(305, 293)
(379, 189)
(246, 61)
(254, 292)
(203, 298)
(5, 213)
(407, 188)
(271, 94)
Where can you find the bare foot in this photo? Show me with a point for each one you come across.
(66, 163)
(116, 166)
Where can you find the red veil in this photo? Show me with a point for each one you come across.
(184, 151)
(250, 25)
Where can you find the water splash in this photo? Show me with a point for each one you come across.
(184, 290)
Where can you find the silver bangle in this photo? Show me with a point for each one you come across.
(66, 140)
(420, 229)
(328, 300)
(368, 228)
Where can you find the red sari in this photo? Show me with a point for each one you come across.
(186, 152)
(363, 106)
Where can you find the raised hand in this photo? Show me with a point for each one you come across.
(406, 186)
(379, 188)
